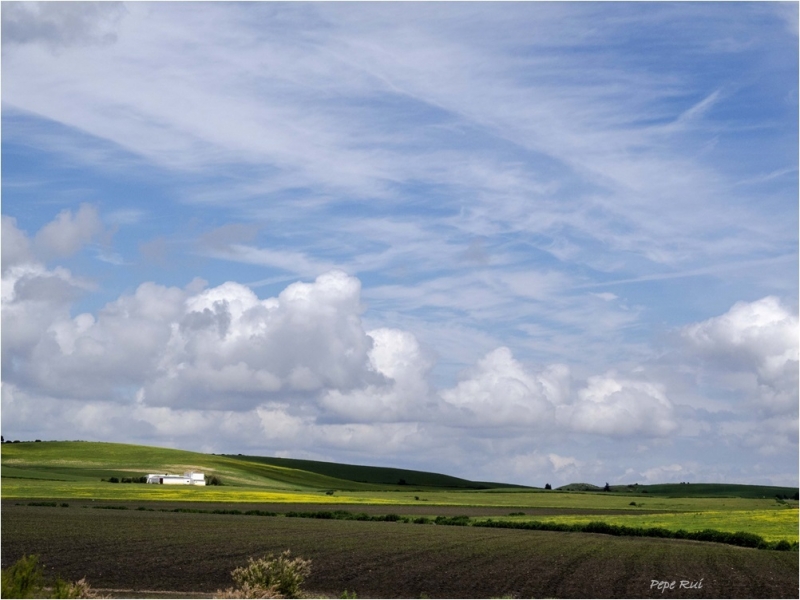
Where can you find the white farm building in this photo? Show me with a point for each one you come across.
(188, 478)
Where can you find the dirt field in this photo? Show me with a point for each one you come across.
(194, 553)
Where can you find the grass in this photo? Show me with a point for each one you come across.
(83, 490)
(379, 475)
(709, 490)
(84, 461)
(772, 525)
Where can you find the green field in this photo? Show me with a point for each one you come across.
(74, 470)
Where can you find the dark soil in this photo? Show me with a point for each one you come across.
(195, 553)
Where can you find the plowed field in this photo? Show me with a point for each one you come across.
(194, 553)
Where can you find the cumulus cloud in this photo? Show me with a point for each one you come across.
(221, 347)
(33, 299)
(754, 348)
(16, 247)
(500, 391)
(404, 392)
(615, 406)
(68, 232)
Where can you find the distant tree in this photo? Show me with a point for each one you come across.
(547, 486)
(606, 487)
(402, 482)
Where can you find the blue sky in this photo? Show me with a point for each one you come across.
(527, 242)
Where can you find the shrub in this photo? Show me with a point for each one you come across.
(25, 579)
(269, 577)
(783, 546)
(113, 479)
(79, 589)
(248, 591)
(459, 520)
(422, 520)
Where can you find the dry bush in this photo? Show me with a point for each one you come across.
(269, 577)
(248, 591)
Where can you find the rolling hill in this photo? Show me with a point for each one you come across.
(90, 461)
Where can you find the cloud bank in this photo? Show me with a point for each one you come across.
(302, 365)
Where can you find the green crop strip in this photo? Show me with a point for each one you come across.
(738, 538)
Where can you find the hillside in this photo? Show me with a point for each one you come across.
(91, 461)
(689, 490)
(379, 475)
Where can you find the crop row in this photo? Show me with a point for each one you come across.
(195, 553)
(738, 538)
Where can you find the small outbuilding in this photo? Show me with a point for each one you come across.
(188, 478)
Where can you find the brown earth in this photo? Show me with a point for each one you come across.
(195, 553)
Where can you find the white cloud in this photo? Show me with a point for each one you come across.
(229, 348)
(499, 391)
(615, 406)
(16, 245)
(754, 348)
(404, 394)
(673, 473)
(68, 233)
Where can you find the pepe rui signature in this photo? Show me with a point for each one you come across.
(683, 584)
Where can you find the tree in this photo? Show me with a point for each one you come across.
(606, 487)
(547, 486)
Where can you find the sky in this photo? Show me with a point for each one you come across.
(523, 242)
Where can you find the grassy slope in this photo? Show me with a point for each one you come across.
(709, 490)
(699, 490)
(92, 461)
(378, 475)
